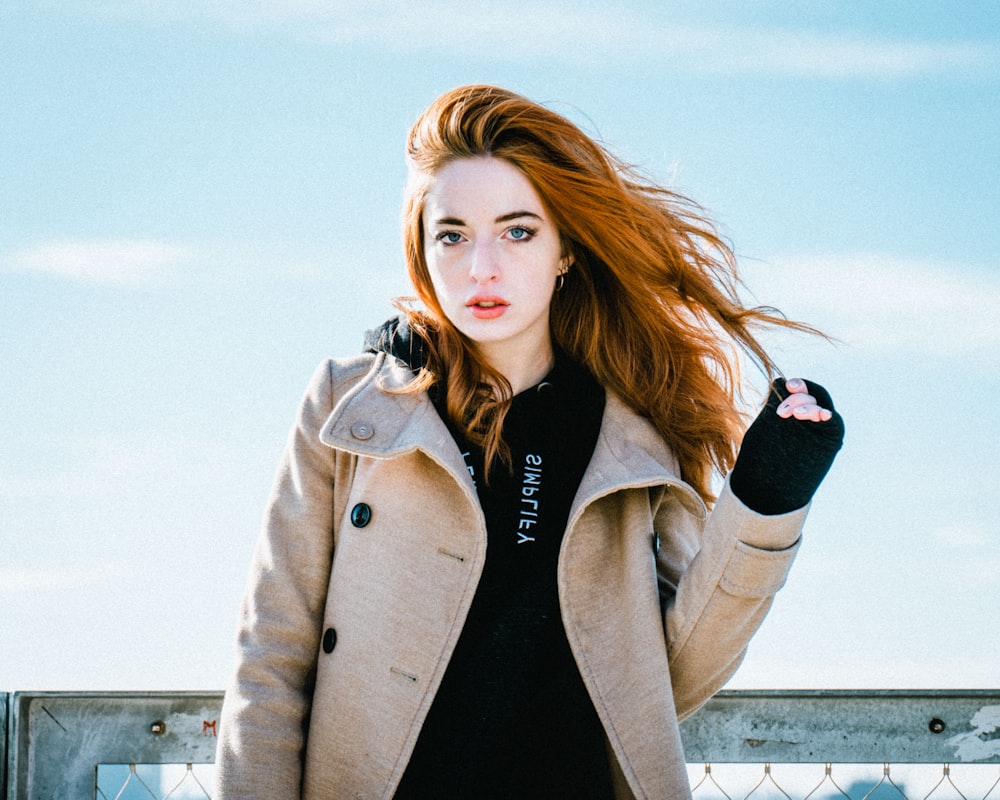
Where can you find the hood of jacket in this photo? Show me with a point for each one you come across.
(397, 338)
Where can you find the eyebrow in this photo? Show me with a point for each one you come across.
(502, 218)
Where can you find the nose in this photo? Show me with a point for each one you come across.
(484, 266)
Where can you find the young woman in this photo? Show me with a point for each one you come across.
(493, 565)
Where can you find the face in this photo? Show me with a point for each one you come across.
(493, 255)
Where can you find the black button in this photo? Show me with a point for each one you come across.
(656, 544)
(361, 515)
(329, 640)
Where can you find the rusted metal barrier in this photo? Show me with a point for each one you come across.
(57, 743)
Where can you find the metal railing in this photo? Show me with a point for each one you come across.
(70, 745)
(58, 741)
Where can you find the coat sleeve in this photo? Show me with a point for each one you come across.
(265, 712)
(723, 592)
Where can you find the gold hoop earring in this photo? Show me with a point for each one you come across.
(560, 281)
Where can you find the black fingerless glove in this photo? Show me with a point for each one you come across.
(782, 461)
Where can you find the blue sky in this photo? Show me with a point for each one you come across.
(200, 200)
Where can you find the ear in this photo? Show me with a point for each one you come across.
(566, 258)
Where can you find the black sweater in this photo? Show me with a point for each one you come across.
(512, 718)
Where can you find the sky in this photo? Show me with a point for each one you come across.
(199, 201)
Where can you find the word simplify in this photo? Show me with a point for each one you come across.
(531, 484)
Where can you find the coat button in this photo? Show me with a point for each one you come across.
(329, 640)
(362, 431)
(361, 515)
(656, 543)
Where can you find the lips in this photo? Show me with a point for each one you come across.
(487, 307)
(486, 301)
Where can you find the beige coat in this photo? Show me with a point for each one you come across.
(346, 631)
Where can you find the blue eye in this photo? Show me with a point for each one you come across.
(449, 237)
(520, 234)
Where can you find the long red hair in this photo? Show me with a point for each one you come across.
(650, 304)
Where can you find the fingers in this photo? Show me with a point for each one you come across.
(802, 405)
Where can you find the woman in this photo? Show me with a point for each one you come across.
(488, 567)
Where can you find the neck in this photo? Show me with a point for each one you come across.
(522, 370)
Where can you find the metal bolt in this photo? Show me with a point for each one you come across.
(158, 728)
(936, 725)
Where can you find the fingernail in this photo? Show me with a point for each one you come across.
(794, 383)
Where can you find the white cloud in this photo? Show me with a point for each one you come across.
(102, 261)
(597, 37)
(838, 56)
(963, 536)
(93, 469)
(886, 304)
(584, 34)
(36, 579)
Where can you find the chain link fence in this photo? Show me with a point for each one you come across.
(781, 744)
(838, 781)
(154, 781)
(709, 781)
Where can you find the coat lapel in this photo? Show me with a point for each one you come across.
(374, 418)
(607, 564)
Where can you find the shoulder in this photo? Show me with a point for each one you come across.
(332, 380)
(631, 453)
(337, 373)
(335, 378)
(629, 433)
(377, 382)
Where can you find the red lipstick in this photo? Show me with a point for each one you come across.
(487, 306)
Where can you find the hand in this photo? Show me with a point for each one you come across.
(788, 449)
(802, 405)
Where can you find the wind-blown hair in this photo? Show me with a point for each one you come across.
(650, 304)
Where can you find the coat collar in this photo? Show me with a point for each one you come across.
(630, 453)
(373, 418)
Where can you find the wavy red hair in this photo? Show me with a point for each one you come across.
(650, 304)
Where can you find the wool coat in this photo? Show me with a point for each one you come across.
(369, 557)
